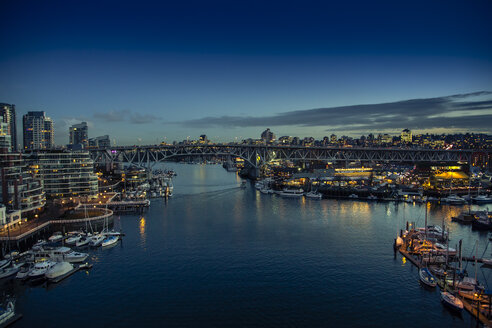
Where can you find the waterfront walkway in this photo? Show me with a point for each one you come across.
(31, 227)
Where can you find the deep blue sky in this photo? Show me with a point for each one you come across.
(143, 72)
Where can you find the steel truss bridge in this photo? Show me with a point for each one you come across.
(257, 155)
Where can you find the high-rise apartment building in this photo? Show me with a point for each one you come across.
(5, 140)
(7, 112)
(38, 131)
(65, 174)
(100, 142)
(79, 134)
(406, 135)
(268, 136)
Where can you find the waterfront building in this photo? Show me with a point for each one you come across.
(100, 142)
(5, 138)
(38, 131)
(406, 136)
(65, 174)
(79, 134)
(268, 136)
(7, 112)
(21, 191)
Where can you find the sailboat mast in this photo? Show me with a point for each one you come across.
(425, 222)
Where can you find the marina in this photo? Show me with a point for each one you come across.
(267, 254)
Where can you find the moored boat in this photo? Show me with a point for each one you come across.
(427, 278)
(291, 192)
(57, 236)
(73, 239)
(7, 313)
(24, 271)
(482, 199)
(59, 269)
(451, 301)
(111, 240)
(314, 195)
(9, 271)
(96, 240)
(40, 270)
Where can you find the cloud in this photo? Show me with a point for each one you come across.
(470, 109)
(126, 115)
(112, 115)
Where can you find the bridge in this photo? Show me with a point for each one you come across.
(257, 155)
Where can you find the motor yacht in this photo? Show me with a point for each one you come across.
(57, 236)
(9, 271)
(454, 199)
(292, 192)
(482, 199)
(7, 313)
(314, 195)
(57, 254)
(73, 239)
(59, 269)
(40, 269)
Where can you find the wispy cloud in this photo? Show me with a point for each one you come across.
(125, 115)
(471, 111)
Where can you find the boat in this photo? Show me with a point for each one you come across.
(59, 269)
(427, 278)
(291, 192)
(111, 240)
(40, 269)
(451, 301)
(372, 197)
(112, 233)
(473, 295)
(482, 199)
(84, 241)
(57, 254)
(482, 222)
(4, 263)
(468, 283)
(7, 313)
(266, 190)
(464, 218)
(40, 242)
(57, 236)
(24, 271)
(487, 262)
(314, 195)
(9, 271)
(96, 240)
(73, 239)
(453, 199)
(353, 196)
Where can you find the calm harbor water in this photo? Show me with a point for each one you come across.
(217, 255)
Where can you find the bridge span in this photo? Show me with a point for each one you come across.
(257, 155)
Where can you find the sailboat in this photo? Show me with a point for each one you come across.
(427, 278)
(451, 301)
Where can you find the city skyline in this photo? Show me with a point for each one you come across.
(229, 71)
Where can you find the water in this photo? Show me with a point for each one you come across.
(217, 255)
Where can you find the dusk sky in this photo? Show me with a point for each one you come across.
(145, 72)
